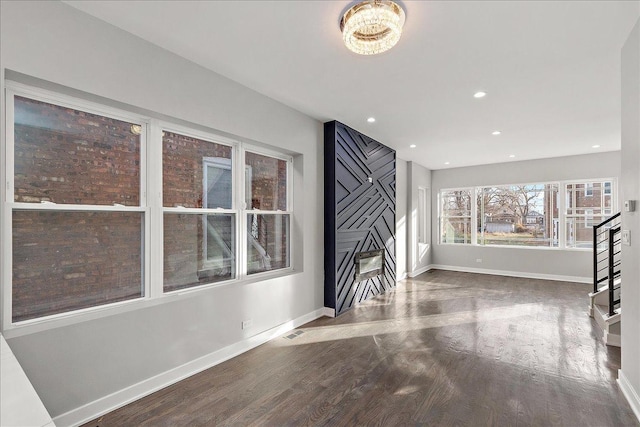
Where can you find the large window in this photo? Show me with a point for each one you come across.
(77, 219)
(82, 231)
(520, 215)
(526, 215)
(587, 204)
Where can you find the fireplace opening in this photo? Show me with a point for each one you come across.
(369, 264)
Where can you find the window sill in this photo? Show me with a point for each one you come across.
(537, 248)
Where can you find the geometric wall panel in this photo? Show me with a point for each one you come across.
(359, 215)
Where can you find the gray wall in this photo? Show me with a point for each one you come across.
(526, 261)
(418, 254)
(630, 186)
(401, 219)
(73, 364)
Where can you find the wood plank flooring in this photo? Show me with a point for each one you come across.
(443, 349)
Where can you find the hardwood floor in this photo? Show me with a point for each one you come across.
(444, 349)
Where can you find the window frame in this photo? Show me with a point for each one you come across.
(561, 207)
(150, 208)
(544, 185)
(13, 89)
(245, 210)
(166, 126)
(472, 212)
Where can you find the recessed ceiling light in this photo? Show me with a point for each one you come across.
(512, 155)
(447, 163)
(496, 132)
(412, 146)
(595, 146)
(371, 119)
(480, 94)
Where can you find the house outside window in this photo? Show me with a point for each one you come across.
(518, 215)
(588, 189)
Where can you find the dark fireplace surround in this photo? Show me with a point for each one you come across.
(360, 205)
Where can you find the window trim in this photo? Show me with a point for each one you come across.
(13, 89)
(561, 206)
(472, 212)
(150, 205)
(244, 210)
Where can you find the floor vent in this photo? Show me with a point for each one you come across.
(294, 335)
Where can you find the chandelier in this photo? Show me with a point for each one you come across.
(372, 26)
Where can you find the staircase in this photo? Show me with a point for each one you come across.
(604, 304)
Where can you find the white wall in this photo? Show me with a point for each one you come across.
(401, 219)
(418, 254)
(629, 376)
(75, 364)
(528, 262)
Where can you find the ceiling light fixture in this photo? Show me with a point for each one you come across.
(480, 94)
(595, 146)
(512, 155)
(447, 163)
(412, 146)
(496, 132)
(371, 119)
(372, 26)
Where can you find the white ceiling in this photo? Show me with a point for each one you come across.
(551, 69)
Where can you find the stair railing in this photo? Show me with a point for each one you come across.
(614, 268)
(602, 252)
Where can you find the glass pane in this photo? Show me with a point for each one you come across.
(580, 230)
(63, 155)
(456, 203)
(596, 196)
(268, 182)
(522, 215)
(65, 261)
(456, 230)
(195, 173)
(198, 249)
(267, 242)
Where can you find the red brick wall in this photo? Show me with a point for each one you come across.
(71, 260)
(268, 182)
(67, 156)
(268, 192)
(182, 168)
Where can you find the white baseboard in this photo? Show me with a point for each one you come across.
(329, 312)
(401, 276)
(134, 392)
(629, 393)
(523, 274)
(419, 271)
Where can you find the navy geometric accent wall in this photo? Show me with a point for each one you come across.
(359, 215)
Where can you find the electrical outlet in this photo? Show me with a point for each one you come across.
(626, 237)
(246, 324)
(478, 259)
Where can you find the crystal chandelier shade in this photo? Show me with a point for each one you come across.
(372, 26)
